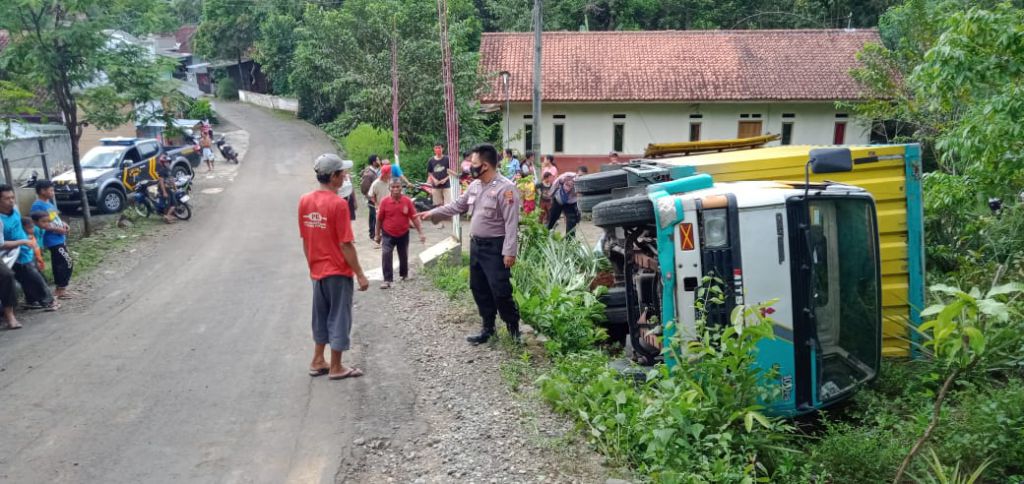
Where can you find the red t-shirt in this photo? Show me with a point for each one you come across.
(324, 225)
(395, 215)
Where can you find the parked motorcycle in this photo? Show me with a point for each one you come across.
(420, 192)
(146, 201)
(31, 181)
(226, 150)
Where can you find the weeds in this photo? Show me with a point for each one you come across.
(515, 371)
(452, 280)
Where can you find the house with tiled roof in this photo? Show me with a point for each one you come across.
(619, 91)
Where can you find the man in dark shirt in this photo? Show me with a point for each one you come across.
(439, 177)
(165, 186)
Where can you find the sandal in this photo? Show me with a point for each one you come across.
(16, 325)
(319, 371)
(385, 285)
(352, 372)
(52, 307)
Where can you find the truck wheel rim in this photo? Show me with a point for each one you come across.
(112, 201)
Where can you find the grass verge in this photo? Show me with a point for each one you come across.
(89, 252)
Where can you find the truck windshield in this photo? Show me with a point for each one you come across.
(101, 158)
(844, 293)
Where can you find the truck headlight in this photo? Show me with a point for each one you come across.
(716, 229)
(90, 186)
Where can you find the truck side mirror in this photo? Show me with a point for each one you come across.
(831, 160)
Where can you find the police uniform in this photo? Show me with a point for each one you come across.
(494, 235)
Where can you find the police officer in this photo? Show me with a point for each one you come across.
(493, 201)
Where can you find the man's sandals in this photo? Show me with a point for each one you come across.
(351, 372)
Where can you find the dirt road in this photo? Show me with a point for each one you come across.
(192, 366)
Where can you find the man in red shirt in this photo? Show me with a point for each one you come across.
(393, 216)
(326, 231)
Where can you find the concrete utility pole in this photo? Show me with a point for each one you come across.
(538, 6)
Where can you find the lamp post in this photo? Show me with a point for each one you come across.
(505, 75)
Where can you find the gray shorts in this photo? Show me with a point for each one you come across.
(332, 311)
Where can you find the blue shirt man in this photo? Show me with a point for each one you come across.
(13, 230)
(37, 293)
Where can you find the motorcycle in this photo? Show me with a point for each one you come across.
(146, 201)
(31, 181)
(420, 193)
(226, 150)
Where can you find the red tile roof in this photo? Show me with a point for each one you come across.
(184, 38)
(695, 65)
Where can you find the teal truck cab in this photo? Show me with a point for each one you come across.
(812, 248)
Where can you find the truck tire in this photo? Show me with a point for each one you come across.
(180, 169)
(111, 200)
(602, 182)
(614, 298)
(589, 201)
(629, 211)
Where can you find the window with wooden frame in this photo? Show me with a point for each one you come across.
(559, 138)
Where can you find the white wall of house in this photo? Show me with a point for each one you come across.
(588, 129)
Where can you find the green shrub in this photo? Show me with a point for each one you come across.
(364, 141)
(451, 279)
(226, 89)
(552, 279)
(852, 453)
(414, 162)
(697, 421)
(987, 423)
(202, 109)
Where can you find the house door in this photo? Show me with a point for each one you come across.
(749, 129)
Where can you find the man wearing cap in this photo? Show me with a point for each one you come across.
(327, 241)
(493, 201)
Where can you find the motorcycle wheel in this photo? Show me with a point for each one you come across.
(142, 209)
(182, 211)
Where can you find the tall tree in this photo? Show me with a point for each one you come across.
(275, 49)
(60, 44)
(228, 30)
(342, 66)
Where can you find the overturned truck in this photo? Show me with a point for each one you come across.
(841, 258)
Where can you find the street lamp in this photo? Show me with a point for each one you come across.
(505, 75)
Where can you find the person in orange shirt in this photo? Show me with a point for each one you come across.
(34, 236)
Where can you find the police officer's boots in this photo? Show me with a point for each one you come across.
(513, 332)
(486, 334)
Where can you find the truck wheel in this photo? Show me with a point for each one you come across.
(181, 170)
(602, 182)
(630, 211)
(588, 202)
(614, 298)
(111, 201)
